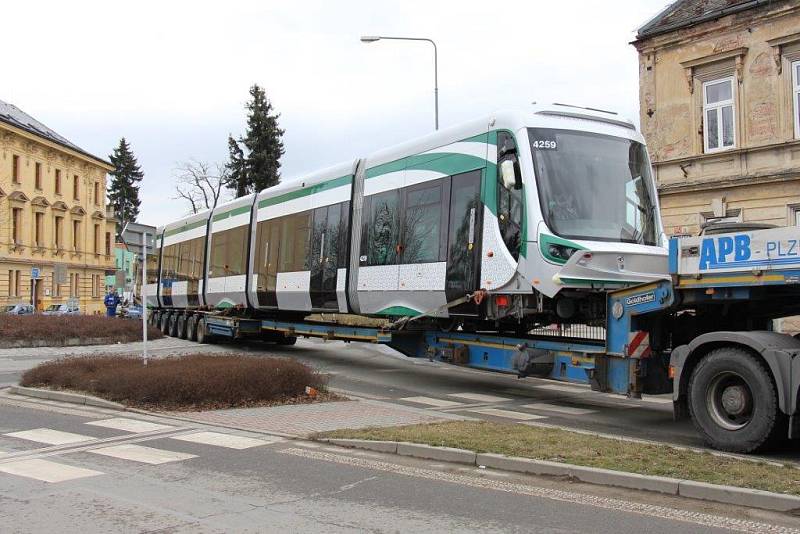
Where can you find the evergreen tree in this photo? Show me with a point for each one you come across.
(263, 141)
(236, 167)
(123, 190)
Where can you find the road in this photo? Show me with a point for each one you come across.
(379, 372)
(83, 470)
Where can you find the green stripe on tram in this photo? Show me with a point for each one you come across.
(311, 190)
(184, 228)
(231, 213)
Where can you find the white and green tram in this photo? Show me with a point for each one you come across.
(542, 210)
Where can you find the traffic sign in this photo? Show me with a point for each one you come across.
(35, 273)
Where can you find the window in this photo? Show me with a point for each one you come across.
(58, 230)
(718, 115)
(796, 96)
(15, 169)
(76, 232)
(423, 224)
(38, 176)
(509, 200)
(96, 286)
(108, 243)
(380, 235)
(75, 188)
(295, 236)
(97, 239)
(13, 280)
(56, 288)
(229, 252)
(38, 229)
(58, 182)
(16, 225)
(97, 193)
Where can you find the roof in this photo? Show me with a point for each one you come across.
(685, 13)
(12, 115)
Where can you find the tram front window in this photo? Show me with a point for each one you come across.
(594, 187)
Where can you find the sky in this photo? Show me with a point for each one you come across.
(172, 77)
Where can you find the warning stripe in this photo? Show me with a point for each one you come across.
(639, 344)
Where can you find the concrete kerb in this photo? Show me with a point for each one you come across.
(63, 396)
(671, 486)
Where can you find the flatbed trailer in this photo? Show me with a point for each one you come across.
(705, 335)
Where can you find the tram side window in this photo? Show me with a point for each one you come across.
(169, 261)
(509, 200)
(152, 266)
(184, 260)
(294, 242)
(341, 232)
(229, 252)
(381, 228)
(423, 223)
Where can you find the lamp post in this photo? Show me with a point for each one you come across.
(373, 38)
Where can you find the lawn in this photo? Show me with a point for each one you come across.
(559, 445)
(190, 382)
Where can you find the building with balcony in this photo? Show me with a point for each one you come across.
(53, 217)
(720, 109)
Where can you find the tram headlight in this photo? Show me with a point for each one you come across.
(561, 252)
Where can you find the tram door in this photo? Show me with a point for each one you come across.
(463, 241)
(325, 244)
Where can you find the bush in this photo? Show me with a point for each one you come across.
(56, 329)
(181, 382)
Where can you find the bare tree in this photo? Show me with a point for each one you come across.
(200, 185)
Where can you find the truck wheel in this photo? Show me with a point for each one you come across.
(164, 324)
(180, 326)
(287, 340)
(173, 325)
(732, 402)
(202, 334)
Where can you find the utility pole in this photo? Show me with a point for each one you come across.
(144, 297)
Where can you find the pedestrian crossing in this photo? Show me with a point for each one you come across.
(53, 463)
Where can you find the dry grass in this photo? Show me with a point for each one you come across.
(192, 382)
(56, 330)
(581, 449)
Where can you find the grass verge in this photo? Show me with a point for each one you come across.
(191, 382)
(56, 330)
(558, 445)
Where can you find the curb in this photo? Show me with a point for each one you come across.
(604, 477)
(63, 396)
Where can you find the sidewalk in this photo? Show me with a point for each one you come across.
(303, 420)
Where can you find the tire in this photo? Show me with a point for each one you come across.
(191, 328)
(154, 318)
(164, 323)
(180, 326)
(173, 325)
(733, 403)
(202, 335)
(287, 340)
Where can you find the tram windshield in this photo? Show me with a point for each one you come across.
(594, 187)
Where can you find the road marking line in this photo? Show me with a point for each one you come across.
(218, 439)
(129, 425)
(508, 414)
(479, 397)
(139, 453)
(46, 471)
(547, 407)
(50, 436)
(439, 403)
(559, 495)
(560, 387)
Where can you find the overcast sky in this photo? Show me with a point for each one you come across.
(172, 77)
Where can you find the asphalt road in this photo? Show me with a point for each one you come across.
(376, 371)
(84, 470)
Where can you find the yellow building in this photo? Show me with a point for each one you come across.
(53, 217)
(720, 109)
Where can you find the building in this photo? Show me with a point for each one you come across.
(133, 237)
(53, 217)
(720, 109)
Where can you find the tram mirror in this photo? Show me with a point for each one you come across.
(508, 173)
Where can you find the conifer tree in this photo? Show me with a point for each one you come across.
(237, 172)
(123, 189)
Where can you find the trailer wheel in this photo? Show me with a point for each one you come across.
(287, 340)
(152, 319)
(173, 325)
(732, 401)
(191, 328)
(180, 326)
(202, 334)
(164, 326)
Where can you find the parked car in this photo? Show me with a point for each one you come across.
(61, 309)
(131, 312)
(17, 309)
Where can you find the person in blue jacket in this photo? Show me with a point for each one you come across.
(111, 301)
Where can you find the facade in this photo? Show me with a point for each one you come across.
(53, 217)
(133, 237)
(720, 109)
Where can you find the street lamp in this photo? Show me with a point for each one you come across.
(373, 38)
